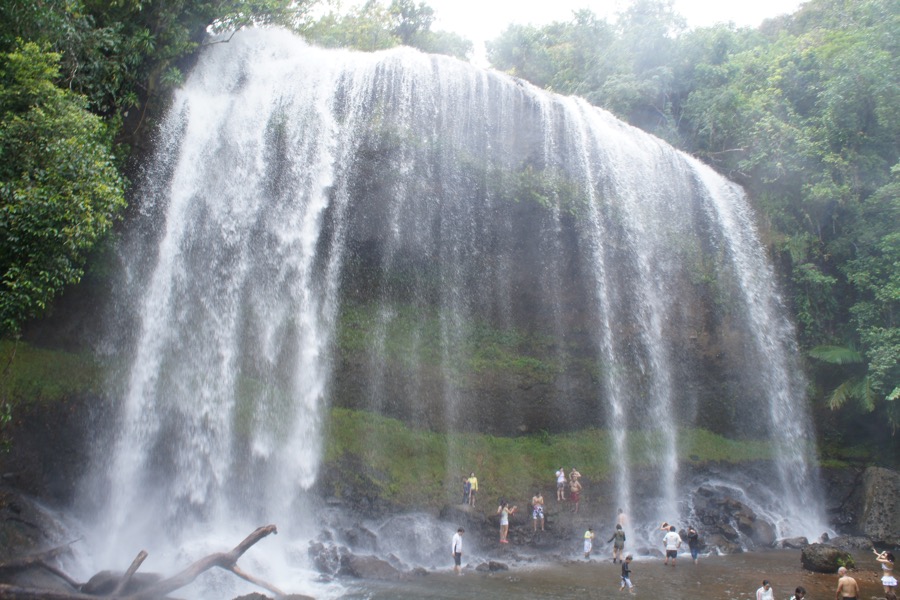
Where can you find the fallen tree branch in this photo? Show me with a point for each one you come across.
(259, 582)
(155, 591)
(224, 560)
(126, 578)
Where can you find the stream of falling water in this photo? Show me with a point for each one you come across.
(293, 183)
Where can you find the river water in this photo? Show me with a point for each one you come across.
(732, 577)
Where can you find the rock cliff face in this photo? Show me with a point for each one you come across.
(880, 514)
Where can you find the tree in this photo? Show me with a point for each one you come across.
(376, 26)
(59, 186)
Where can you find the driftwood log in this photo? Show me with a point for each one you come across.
(153, 591)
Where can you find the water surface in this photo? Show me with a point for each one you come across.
(733, 577)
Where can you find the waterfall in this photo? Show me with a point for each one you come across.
(411, 235)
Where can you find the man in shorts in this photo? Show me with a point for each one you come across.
(537, 510)
(847, 588)
(672, 542)
(575, 495)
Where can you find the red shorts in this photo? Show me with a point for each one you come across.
(575, 496)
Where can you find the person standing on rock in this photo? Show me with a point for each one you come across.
(473, 490)
(456, 550)
(847, 588)
(765, 592)
(575, 496)
(504, 511)
(618, 540)
(560, 485)
(537, 510)
(887, 569)
(672, 542)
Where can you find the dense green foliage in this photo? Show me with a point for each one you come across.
(59, 188)
(802, 112)
(375, 26)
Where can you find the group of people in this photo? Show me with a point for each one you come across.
(573, 482)
(847, 587)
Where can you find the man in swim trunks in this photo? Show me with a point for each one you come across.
(847, 588)
(575, 496)
(537, 510)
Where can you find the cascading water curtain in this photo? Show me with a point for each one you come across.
(442, 211)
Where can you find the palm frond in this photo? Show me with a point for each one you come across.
(843, 393)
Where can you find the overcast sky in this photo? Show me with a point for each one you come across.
(481, 20)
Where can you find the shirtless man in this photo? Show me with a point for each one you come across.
(537, 510)
(847, 588)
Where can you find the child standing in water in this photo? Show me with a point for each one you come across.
(626, 575)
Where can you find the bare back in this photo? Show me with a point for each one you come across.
(847, 587)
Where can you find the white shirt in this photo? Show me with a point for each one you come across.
(672, 540)
(457, 543)
(765, 594)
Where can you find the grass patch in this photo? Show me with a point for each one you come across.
(39, 375)
(415, 467)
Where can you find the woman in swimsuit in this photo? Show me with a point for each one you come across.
(887, 567)
(504, 511)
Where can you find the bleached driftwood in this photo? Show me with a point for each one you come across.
(154, 591)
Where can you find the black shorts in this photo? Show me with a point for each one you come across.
(671, 553)
(457, 558)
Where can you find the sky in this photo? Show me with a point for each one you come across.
(481, 20)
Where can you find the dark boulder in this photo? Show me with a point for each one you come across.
(824, 558)
(851, 542)
(326, 558)
(26, 527)
(723, 544)
(104, 582)
(368, 567)
(492, 566)
(795, 543)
